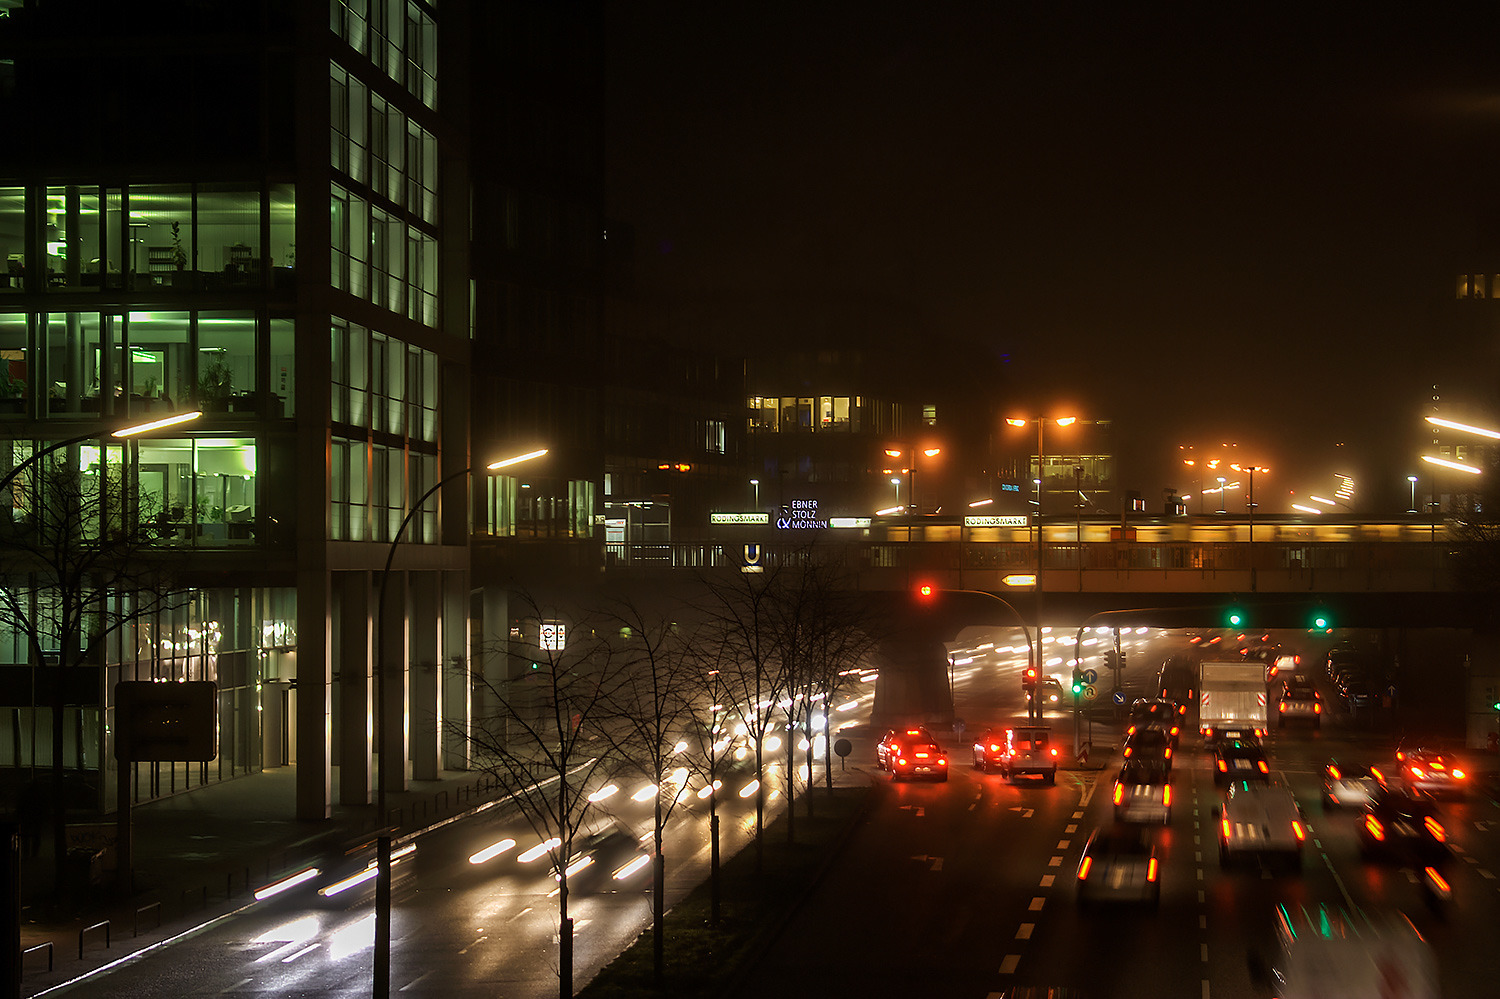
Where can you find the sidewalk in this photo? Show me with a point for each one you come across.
(203, 853)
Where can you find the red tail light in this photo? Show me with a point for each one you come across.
(1261, 765)
(900, 761)
(1224, 824)
(1333, 772)
(1416, 771)
(1169, 752)
(1166, 794)
(1373, 825)
(1223, 767)
(1151, 870)
(1054, 752)
(1083, 868)
(1298, 831)
(1318, 708)
(1400, 755)
(1458, 774)
(942, 762)
(1282, 708)
(1436, 828)
(1119, 792)
(1438, 880)
(1435, 765)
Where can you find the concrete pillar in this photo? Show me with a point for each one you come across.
(456, 691)
(393, 644)
(426, 671)
(314, 696)
(356, 689)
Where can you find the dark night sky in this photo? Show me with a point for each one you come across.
(1203, 225)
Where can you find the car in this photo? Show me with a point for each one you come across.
(1239, 760)
(612, 852)
(1119, 864)
(1158, 714)
(1329, 951)
(1432, 771)
(1249, 735)
(1017, 751)
(1143, 792)
(1299, 702)
(1283, 667)
(894, 740)
(1049, 693)
(913, 753)
(1149, 743)
(1261, 818)
(1178, 682)
(1404, 826)
(1360, 690)
(1348, 784)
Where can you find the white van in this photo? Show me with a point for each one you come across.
(1260, 818)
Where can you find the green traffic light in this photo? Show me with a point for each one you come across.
(1320, 622)
(1236, 618)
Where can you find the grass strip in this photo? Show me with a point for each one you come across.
(701, 960)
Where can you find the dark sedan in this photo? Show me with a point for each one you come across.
(1405, 827)
(1239, 760)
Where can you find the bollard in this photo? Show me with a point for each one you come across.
(41, 946)
(135, 927)
(89, 929)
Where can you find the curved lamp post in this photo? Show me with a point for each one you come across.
(382, 977)
(1041, 451)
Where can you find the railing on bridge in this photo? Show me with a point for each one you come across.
(1185, 565)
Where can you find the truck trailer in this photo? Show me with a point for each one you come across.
(1231, 697)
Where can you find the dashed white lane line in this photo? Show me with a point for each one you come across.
(1070, 828)
(1055, 862)
(1077, 815)
(1008, 966)
(1205, 988)
(1047, 880)
(1486, 874)
(1200, 894)
(1203, 953)
(1063, 844)
(1037, 903)
(1024, 933)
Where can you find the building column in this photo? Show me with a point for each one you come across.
(458, 703)
(356, 690)
(314, 696)
(426, 670)
(393, 645)
(493, 657)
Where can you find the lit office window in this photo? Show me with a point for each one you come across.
(12, 237)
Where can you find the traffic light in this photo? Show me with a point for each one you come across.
(1120, 660)
(1110, 659)
(1028, 678)
(1234, 617)
(925, 592)
(1321, 620)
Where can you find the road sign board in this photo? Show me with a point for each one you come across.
(1089, 692)
(1090, 676)
(1119, 697)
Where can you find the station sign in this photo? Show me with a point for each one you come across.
(993, 521)
(739, 518)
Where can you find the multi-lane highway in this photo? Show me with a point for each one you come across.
(966, 889)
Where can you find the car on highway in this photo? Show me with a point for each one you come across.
(892, 741)
(1299, 702)
(1348, 784)
(1432, 771)
(1238, 760)
(1403, 826)
(912, 753)
(1148, 743)
(1143, 792)
(1260, 818)
(1250, 735)
(1119, 864)
(1017, 751)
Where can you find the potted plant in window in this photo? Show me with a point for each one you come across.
(214, 386)
(179, 257)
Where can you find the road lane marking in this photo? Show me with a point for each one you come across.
(1338, 881)
(1063, 844)
(1200, 874)
(1200, 896)
(1070, 828)
(1077, 815)
(1198, 856)
(1471, 859)
(1024, 933)
(1205, 988)
(475, 944)
(414, 981)
(1047, 880)
(1008, 966)
(518, 915)
(1037, 903)
(1486, 874)
(236, 986)
(1055, 862)
(1203, 953)
(1202, 922)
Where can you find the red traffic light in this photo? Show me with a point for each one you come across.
(925, 590)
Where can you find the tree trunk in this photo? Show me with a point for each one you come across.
(713, 863)
(791, 780)
(658, 909)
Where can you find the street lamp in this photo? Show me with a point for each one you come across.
(896, 488)
(1413, 480)
(1250, 506)
(1041, 451)
(756, 484)
(1221, 494)
(382, 976)
(911, 473)
(134, 430)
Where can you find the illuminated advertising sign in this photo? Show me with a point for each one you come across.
(849, 522)
(801, 515)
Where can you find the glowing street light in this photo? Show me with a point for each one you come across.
(1465, 427)
(1413, 480)
(1457, 466)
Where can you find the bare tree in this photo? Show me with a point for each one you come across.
(546, 739)
(82, 561)
(652, 718)
(709, 752)
(741, 638)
